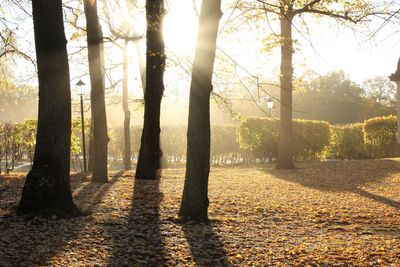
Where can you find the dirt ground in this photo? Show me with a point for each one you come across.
(343, 213)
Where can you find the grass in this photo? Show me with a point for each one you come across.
(340, 213)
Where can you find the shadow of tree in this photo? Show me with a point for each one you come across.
(138, 241)
(378, 198)
(57, 233)
(91, 194)
(343, 176)
(9, 185)
(205, 246)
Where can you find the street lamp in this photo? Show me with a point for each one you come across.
(270, 105)
(80, 84)
(395, 77)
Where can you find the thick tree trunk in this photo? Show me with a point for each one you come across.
(150, 152)
(96, 70)
(127, 112)
(47, 187)
(91, 146)
(285, 153)
(194, 205)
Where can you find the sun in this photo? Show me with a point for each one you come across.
(180, 28)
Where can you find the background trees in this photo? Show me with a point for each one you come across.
(381, 90)
(129, 32)
(288, 11)
(335, 98)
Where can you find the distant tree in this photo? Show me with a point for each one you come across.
(96, 71)
(47, 186)
(194, 205)
(380, 89)
(14, 98)
(127, 112)
(126, 31)
(150, 152)
(286, 11)
(335, 98)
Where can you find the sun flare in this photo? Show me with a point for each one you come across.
(180, 29)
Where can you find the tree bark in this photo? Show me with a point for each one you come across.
(150, 152)
(96, 71)
(285, 153)
(194, 205)
(127, 112)
(47, 187)
(91, 145)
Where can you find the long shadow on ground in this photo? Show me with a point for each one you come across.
(344, 176)
(205, 246)
(138, 240)
(37, 241)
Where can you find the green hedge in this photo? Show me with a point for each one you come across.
(375, 138)
(310, 139)
(380, 137)
(255, 140)
(260, 136)
(347, 142)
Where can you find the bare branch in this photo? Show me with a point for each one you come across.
(344, 16)
(307, 6)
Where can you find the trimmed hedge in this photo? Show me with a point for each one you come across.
(260, 136)
(310, 139)
(255, 140)
(380, 137)
(347, 142)
(375, 138)
(224, 145)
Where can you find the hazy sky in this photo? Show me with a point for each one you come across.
(360, 56)
(329, 47)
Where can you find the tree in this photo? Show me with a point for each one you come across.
(127, 112)
(194, 205)
(335, 98)
(127, 32)
(150, 152)
(287, 11)
(47, 186)
(381, 89)
(96, 70)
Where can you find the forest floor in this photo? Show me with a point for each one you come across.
(343, 213)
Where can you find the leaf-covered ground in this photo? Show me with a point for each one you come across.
(330, 213)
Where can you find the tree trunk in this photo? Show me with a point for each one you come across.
(47, 187)
(96, 71)
(285, 153)
(150, 152)
(91, 145)
(194, 205)
(127, 112)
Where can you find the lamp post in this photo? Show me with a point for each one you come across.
(80, 83)
(395, 77)
(270, 105)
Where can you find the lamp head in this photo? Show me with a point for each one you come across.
(270, 103)
(80, 84)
